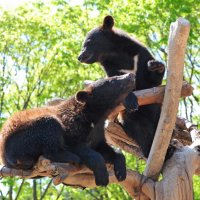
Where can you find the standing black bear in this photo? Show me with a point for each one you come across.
(62, 131)
(118, 54)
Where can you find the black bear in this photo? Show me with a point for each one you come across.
(118, 54)
(30, 133)
(62, 130)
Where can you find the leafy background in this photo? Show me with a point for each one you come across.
(39, 45)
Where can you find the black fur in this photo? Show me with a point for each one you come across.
(118, 53)
(43, 136)
(90, 111)
(63, 132)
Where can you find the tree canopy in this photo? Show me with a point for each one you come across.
(39, 46)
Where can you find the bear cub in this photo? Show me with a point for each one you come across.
(62, 131)
(118, 54)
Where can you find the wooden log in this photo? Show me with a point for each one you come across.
(178, 173)
(116, 136)
(181, 167)
(156, 94)
(153, 95)
(179, 32)
(177, 176)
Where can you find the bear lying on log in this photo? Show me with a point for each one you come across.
(62, 132)
(81, 174)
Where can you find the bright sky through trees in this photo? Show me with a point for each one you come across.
(11, 4)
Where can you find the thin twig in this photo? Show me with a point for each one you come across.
(45, 191)
(20, 189)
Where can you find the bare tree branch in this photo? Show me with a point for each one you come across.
(20, 189)
(46, 189)
(179, 32)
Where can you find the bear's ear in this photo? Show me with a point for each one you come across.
(108, 22)
(81, 96)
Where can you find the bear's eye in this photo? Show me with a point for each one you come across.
(88, 42)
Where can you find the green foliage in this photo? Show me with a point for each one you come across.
(196, 186)
(39, 45)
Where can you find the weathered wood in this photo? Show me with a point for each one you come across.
(152, 95)
(113, 130)
(116, 136)
(178, 173)
(156, 94)
(178, 169)
(175, 185)
(179, 32)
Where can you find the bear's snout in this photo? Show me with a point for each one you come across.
(83, 57)
(86, 57)
(80, 57)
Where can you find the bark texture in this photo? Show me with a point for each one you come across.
(179, 32)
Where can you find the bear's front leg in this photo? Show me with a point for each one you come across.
(131, 102)
(114, 157)
(154, 65)
(94, 161)
(157, 70)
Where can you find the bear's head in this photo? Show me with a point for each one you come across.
(105, 94)
(98, 42)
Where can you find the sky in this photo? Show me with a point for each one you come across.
(11, 4)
